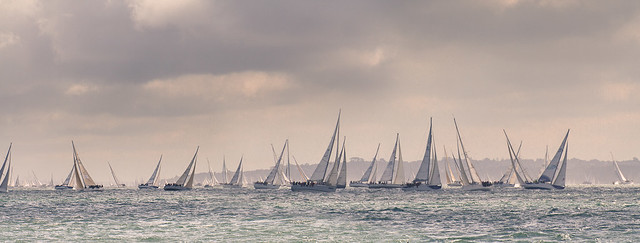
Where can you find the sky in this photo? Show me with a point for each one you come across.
(129, 81)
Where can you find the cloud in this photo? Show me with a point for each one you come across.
(165, 13)
(221, 87)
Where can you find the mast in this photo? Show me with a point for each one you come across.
(321, 170)
(472, 170)
(154, 177)
(342, 177)
(423, 172)
(550, 171)
(388, 174)
(183, 178)
(367, 174)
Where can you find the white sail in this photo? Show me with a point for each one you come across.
(212, 179)
(304, 176)
(237, 177)
(434, 177)
(153, 180)
(183, 178)
(193, 172)
(320, 171)
(276, 169)
(79, 181)
(86, 178)
(5, 175)
(550, 171)
(461, 168)
(399, 171)
(332, 177)
(472, 170)
(521, 180)
(423, 171)
(621, 177)
(560, 179)
(388, 174)
(225, 172)
(114, 176)
(366, 177)
(342, 176)
(374, 175)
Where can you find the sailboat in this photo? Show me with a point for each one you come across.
(276, 177)
(621, 179)
(470, 179)
(4, 173)
(225, 172)
(369, 175)
(152, 183)
(451, 178)
(342, 176)
(237, 181)
(185, 182)
(83, 180)
(211, 181)
(320, 181)
(551, 178)
(115, 179)
(428, 176)
(393, 175)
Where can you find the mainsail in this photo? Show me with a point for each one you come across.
(154, 177)
(388, 174)
(183, 178)
(321, 170)
(423, 171)
(366, 177)
(237, 177)
(342, 176)
(86, 178)
(4, 186)
(550, 171)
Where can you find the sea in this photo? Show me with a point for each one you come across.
(576, 214)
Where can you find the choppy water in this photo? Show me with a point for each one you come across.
(575, 214)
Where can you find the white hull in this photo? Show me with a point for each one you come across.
(475, 187)
(422, 187)
(541, 186)
(258, 185)
(176, 188)
(623, 183)
(315, 188)
(385, 186)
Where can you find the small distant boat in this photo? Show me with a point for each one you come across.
(211, 181)
(152, 183)
(451, 178)
(238, 180)
(320, 181)
(428, 176)
(621, 179)
(185, 182)
(369, 175)
(115, 179)
(83, 181)
(393, 175)
(4, 174)
(276, 177)
(551, 178)
(470, 179)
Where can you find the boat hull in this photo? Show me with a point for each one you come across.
(475, 187)
(176, 188)
(265, 186)
(455, 184)
(143, 186)
(358, 184)
(59, 187)
(385, 186)
(313, 188)
(541, 186)
(421, 187)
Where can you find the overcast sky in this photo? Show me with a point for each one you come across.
(131, 80)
